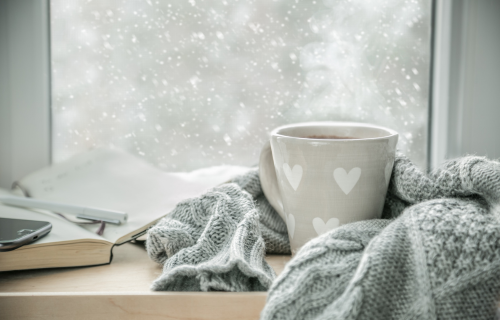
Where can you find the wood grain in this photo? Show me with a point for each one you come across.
(119, 290)
(131, 306)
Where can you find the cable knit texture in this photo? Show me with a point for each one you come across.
(435, 254)
(217, 242)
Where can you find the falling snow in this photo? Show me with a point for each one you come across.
(188, 84)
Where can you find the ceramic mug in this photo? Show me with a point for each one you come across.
(320, 175)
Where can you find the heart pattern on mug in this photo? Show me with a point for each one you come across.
(388, 171)
(346, 181)
(290, 223)
(293, 175)
(321, 227)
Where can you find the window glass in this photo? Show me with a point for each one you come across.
(188, 84)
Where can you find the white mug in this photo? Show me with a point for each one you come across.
(320, 175)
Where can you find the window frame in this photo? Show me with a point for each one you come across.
(439, 83)
(25, 141)
(25, 87)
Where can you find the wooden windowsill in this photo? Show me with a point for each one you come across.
(119, 290)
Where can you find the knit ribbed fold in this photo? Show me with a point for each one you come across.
(217, 242)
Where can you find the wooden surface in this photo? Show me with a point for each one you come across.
(119, 290)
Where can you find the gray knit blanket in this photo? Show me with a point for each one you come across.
(218, 242)
(434, 254)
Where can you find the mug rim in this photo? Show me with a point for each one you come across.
(390, 132)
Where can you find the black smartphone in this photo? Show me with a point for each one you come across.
(15, 233)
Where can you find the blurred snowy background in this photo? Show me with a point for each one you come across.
(189, 84)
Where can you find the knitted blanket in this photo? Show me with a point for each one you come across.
(218, 242)
(434, 254)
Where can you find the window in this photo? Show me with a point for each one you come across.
(187, 84)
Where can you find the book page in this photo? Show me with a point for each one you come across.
(62, 230)
(115, 180)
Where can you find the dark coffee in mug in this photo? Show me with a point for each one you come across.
(329, 137)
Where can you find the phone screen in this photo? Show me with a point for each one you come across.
(13, 229)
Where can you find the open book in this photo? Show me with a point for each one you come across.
(105, 179)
